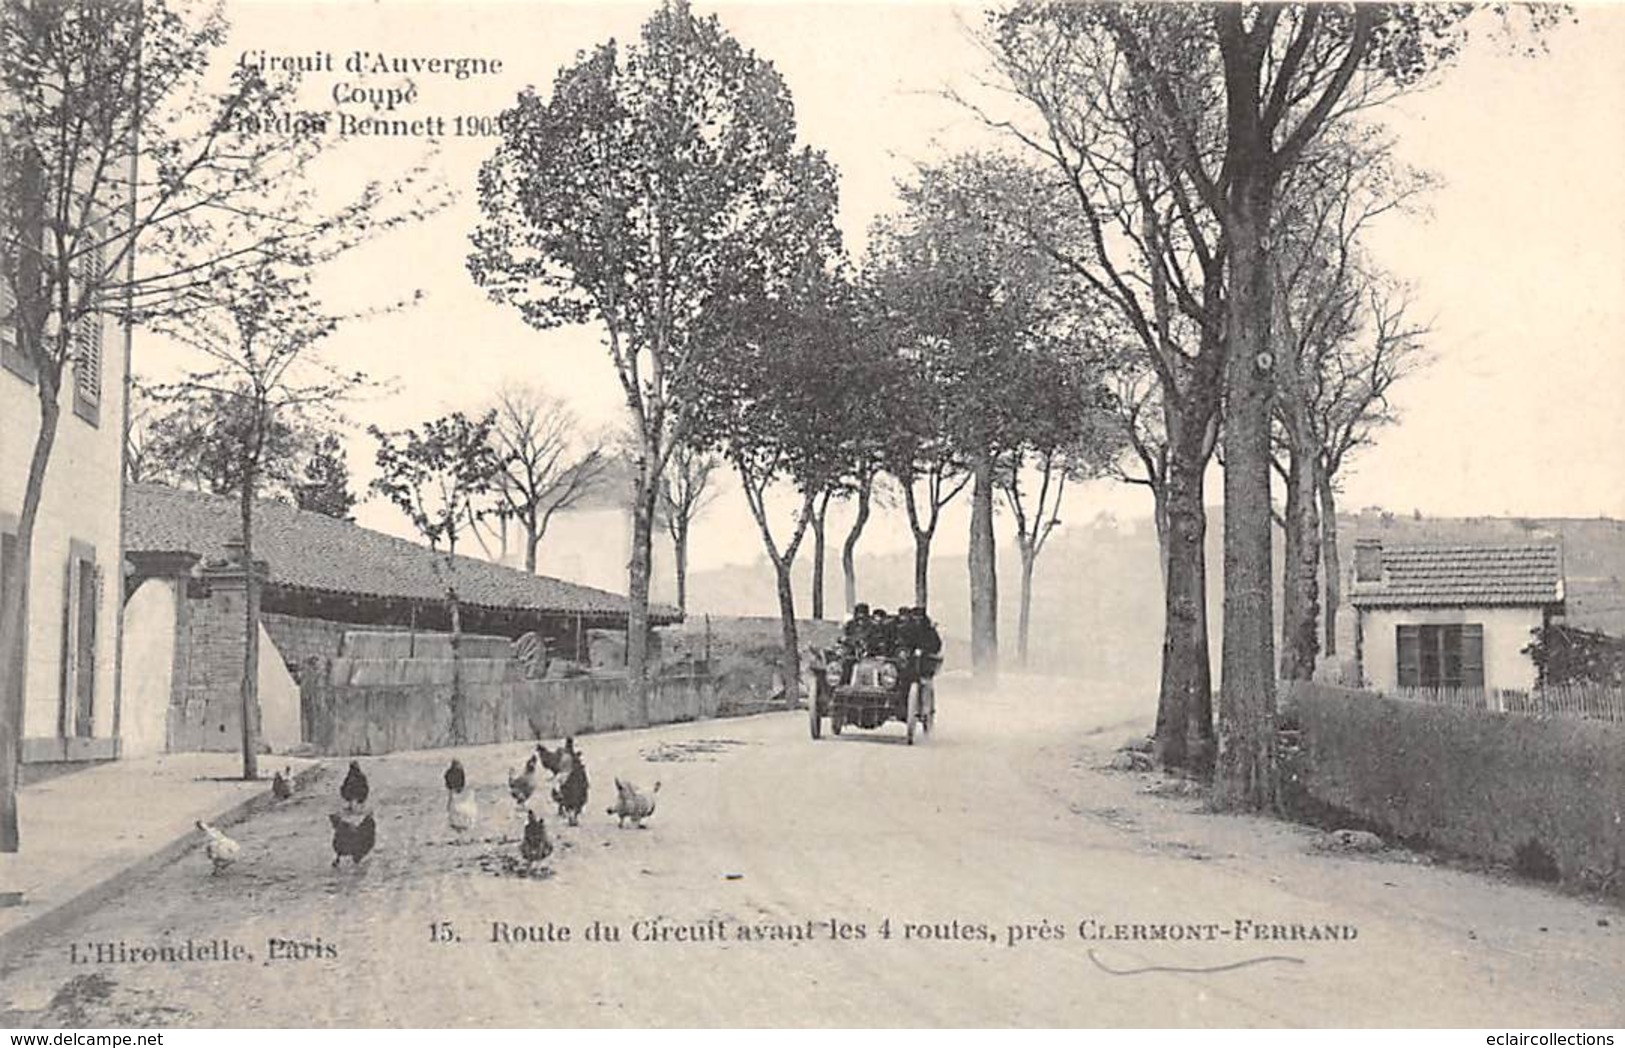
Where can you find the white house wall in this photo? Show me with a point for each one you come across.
(1506, 634)
(82, 501)
(279, 698)
(149, 668)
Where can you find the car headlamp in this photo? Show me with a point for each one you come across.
(888, 675)
(832, 674)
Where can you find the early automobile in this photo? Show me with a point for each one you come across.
(873, 689)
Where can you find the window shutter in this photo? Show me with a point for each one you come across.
(90, 591)
(1408, 640)
(70, 647)
(1472, 656)
(87, 335)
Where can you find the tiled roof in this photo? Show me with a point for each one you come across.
(310, 551)
(1465, 575)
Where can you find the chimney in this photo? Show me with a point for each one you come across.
(1368, 560)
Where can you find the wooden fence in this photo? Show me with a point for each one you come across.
(1590, 701)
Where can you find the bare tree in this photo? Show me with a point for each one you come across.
(685, 492)
(550, 464)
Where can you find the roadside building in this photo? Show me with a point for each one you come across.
(327, 584)
(71, 643)
(1452, 616)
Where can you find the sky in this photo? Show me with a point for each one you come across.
(1519, 267)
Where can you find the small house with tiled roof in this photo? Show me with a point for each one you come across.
(1455, 616)
(325, 582)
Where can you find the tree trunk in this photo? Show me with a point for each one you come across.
(849, 548)
(1184, 733)
(922, 568)
(532, 540)
(1159, 518)
(1028, 556)
(459, 704)
(251, 630)
(818, 519)
(679, 556)
(14, 617)
(637, 595)
(1246, 767)
(1330, 559)
(790, 663)
(984, 582)
(1300, 576)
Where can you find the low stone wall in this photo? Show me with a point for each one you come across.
(356, 719)
(1544, 794)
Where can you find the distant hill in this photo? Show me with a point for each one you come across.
(1097, 604)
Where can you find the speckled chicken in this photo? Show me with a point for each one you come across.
(632, 803)
(521, 786)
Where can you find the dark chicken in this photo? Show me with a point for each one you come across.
(354, 789)
(353, 839)
(571, 794)
(535, 847)
(282, 784)
(455, 778)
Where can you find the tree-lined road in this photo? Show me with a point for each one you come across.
(1004, 818)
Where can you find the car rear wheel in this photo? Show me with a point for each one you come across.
(913, 710)
(812, 716)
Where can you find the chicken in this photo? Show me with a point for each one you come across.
(282, 784)
(462, 810)
(535, 846)
(354, 789)
(522, 786)
(455, 778)
(221, 850)
(571, 793)
(353, 839)
(632, 804)
(552, 760)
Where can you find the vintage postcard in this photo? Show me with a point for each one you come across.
(865, 514)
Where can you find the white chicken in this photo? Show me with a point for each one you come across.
(221, 850)
(630, 803)
(462, 809)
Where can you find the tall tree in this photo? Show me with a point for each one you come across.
(1107, 203)
(550, 463)
(685, 492)
(325, 485)
(650, 178)
(118, 160)
(442, 476)
(1321, 276)
(969, 303)
(767, 407)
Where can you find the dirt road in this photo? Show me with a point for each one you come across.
(848, 882)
